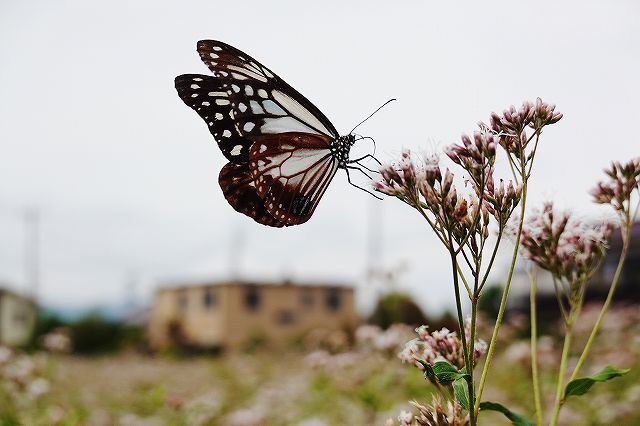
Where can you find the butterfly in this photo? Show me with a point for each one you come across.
(283, 151)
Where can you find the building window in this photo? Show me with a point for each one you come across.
(208, 298)
(182, 300)
(307, 297)
(333, 299)
(285, 317)
(252, 298)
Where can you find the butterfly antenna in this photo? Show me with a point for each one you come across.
(379, 108)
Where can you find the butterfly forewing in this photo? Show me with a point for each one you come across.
(258, 83)
(291, 172)
(207, 96)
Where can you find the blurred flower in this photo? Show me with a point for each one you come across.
(623, 180)
(405, 418)
(569, 248)
(434, 414)
(5, 354)
(38, 387)
(391, 339)
(57, 341)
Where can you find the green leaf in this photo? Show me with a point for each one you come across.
(582, 385)
(461, 391)
(446, 372)
(516, 419)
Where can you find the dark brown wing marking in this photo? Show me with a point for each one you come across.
(238, 188)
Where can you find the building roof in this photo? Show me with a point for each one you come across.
(6, 291)
(247, 283)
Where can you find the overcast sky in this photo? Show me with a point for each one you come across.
(93, 134)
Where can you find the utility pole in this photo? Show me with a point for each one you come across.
(32, 251)
(237, 246)
(374, 241)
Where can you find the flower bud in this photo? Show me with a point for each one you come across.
(447, 182)
(460, 212)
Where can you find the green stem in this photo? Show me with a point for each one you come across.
(474, 314)
(534, 347)
(503, 302)
(561, 373)
(596, 328)
(493, 256)
(463, 337)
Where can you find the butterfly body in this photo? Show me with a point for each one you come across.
(282, 150)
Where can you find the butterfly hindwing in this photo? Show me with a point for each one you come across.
(239, 190)
(291, 172)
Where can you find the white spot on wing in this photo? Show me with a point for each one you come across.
(206, 103)
(214, 55)
(273, 108)
(242, 107)
(217, 48)
(235, 88)
(263, 93)
(222, 101)
(195, 86)
(248, 126)
(236, 149)
(256, 108)
(223, 94)
(248, 90)
(226, 133)
(262, 149)
(197, 79)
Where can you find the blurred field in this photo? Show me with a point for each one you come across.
(361, 384)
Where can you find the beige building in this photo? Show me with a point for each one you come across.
(230, 315)
(17, 318)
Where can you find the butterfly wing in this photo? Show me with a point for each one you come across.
(245, 100)
(291, 172)
(238, 188)
(246, 107)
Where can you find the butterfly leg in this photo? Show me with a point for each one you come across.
(363, 166)
(346, 169)
(372, 140)
(363, 157)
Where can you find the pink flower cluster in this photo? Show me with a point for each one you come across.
(569, 248)
(623, 180)
(475, 156)
(512, 124)
(441, 345)
(434, 414)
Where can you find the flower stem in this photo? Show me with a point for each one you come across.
(561, 373)
(534, 347)
(503, 302)
(626, 235)
(463, 337)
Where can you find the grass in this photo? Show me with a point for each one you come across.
(268, 388)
